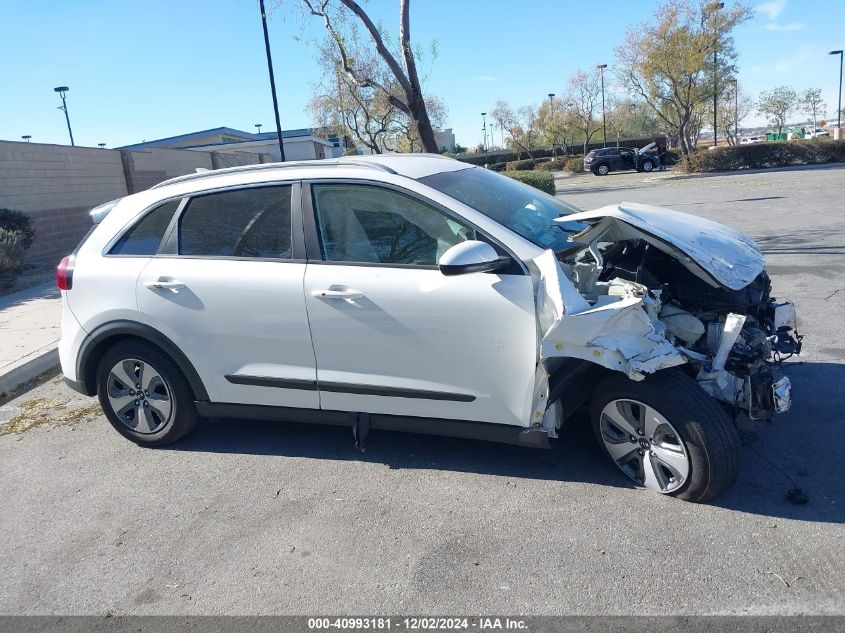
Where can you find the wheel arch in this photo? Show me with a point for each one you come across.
(107, 335)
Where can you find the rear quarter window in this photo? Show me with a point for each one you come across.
(144, 238)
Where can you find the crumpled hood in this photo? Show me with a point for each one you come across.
(716, 253)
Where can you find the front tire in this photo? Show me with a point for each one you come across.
(666, 434)
(144, 395)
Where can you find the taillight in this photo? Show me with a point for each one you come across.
(64, 273)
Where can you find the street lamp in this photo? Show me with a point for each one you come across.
(484, 120)
(62, 90)
(736, 112)
(272, 79)
(712, 8)
(26, 137)
(101, 145)
(601, 68)
(551, 114)
(258, 127)
(839, 109)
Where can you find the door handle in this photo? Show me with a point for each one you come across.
(328, 293)
(172, 285)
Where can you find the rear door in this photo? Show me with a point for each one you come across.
(226, 287)
(391, 333)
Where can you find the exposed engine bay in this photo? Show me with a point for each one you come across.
(638, 303)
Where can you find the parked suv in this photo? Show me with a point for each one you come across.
(602, 161)
(418, 293)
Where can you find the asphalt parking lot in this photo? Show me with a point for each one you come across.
(263, 518)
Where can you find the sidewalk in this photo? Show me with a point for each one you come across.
(29, 334)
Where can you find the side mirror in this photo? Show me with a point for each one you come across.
(470, 257)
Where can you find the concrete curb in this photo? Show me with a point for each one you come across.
(28, 368)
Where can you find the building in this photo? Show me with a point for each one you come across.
(302, 144)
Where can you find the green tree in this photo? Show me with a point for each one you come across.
(668, 61)
(777, 104)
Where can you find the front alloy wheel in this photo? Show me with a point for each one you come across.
(648, 166)
(644, 445)
(666, 434)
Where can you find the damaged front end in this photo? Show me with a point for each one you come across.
(644, 289)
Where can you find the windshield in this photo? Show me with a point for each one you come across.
(523, 209)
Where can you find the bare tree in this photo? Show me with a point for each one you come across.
(584, 94)
(732, 109)
(521, 126)
(626, 117)
(812, 104)
(407, 96)
(555, 124)
(668, 62)
(346, 108)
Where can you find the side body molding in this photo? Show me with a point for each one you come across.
(90, 352)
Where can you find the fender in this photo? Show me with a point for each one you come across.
(90, 353)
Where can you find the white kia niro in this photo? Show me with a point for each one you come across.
(418, 293)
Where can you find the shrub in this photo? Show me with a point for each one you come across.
(764, 155)
(11, 256)
(519, 165)
(498, 166)
(542, 180)
(18, 221)
(552, 165)
(575, 165)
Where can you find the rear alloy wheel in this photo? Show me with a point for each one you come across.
(602, 170)
(144, 395)
(666, 434)
(648, 166)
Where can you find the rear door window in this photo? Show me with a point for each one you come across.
(252, 223)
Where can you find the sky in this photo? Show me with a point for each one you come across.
(146, 70)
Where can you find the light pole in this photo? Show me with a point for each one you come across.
(258, 127)
(736, 112)
(839, 109)
(551, 122)
(272, 79)
(601, 68)
(484, 121)
(101, 145)
(715, 6)
(62, 90)
(26, 137)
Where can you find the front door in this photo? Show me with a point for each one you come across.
(391, 333)
(229, 294)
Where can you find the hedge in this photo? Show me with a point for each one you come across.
(552, 165)
(542, 180)
(763, 155)
(575, 165)
(519, 165)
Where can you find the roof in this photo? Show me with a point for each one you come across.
(408, 165)
(246, 136)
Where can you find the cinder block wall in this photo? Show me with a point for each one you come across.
(58, 185)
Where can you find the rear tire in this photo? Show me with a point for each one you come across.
(681, 433)
(648, 166)
(158, 408)
(602, 170)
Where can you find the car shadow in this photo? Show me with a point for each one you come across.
(802, 242)
(800, 449)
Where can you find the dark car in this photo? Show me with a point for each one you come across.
(603, 161)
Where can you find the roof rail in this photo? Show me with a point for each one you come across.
(286, 165)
